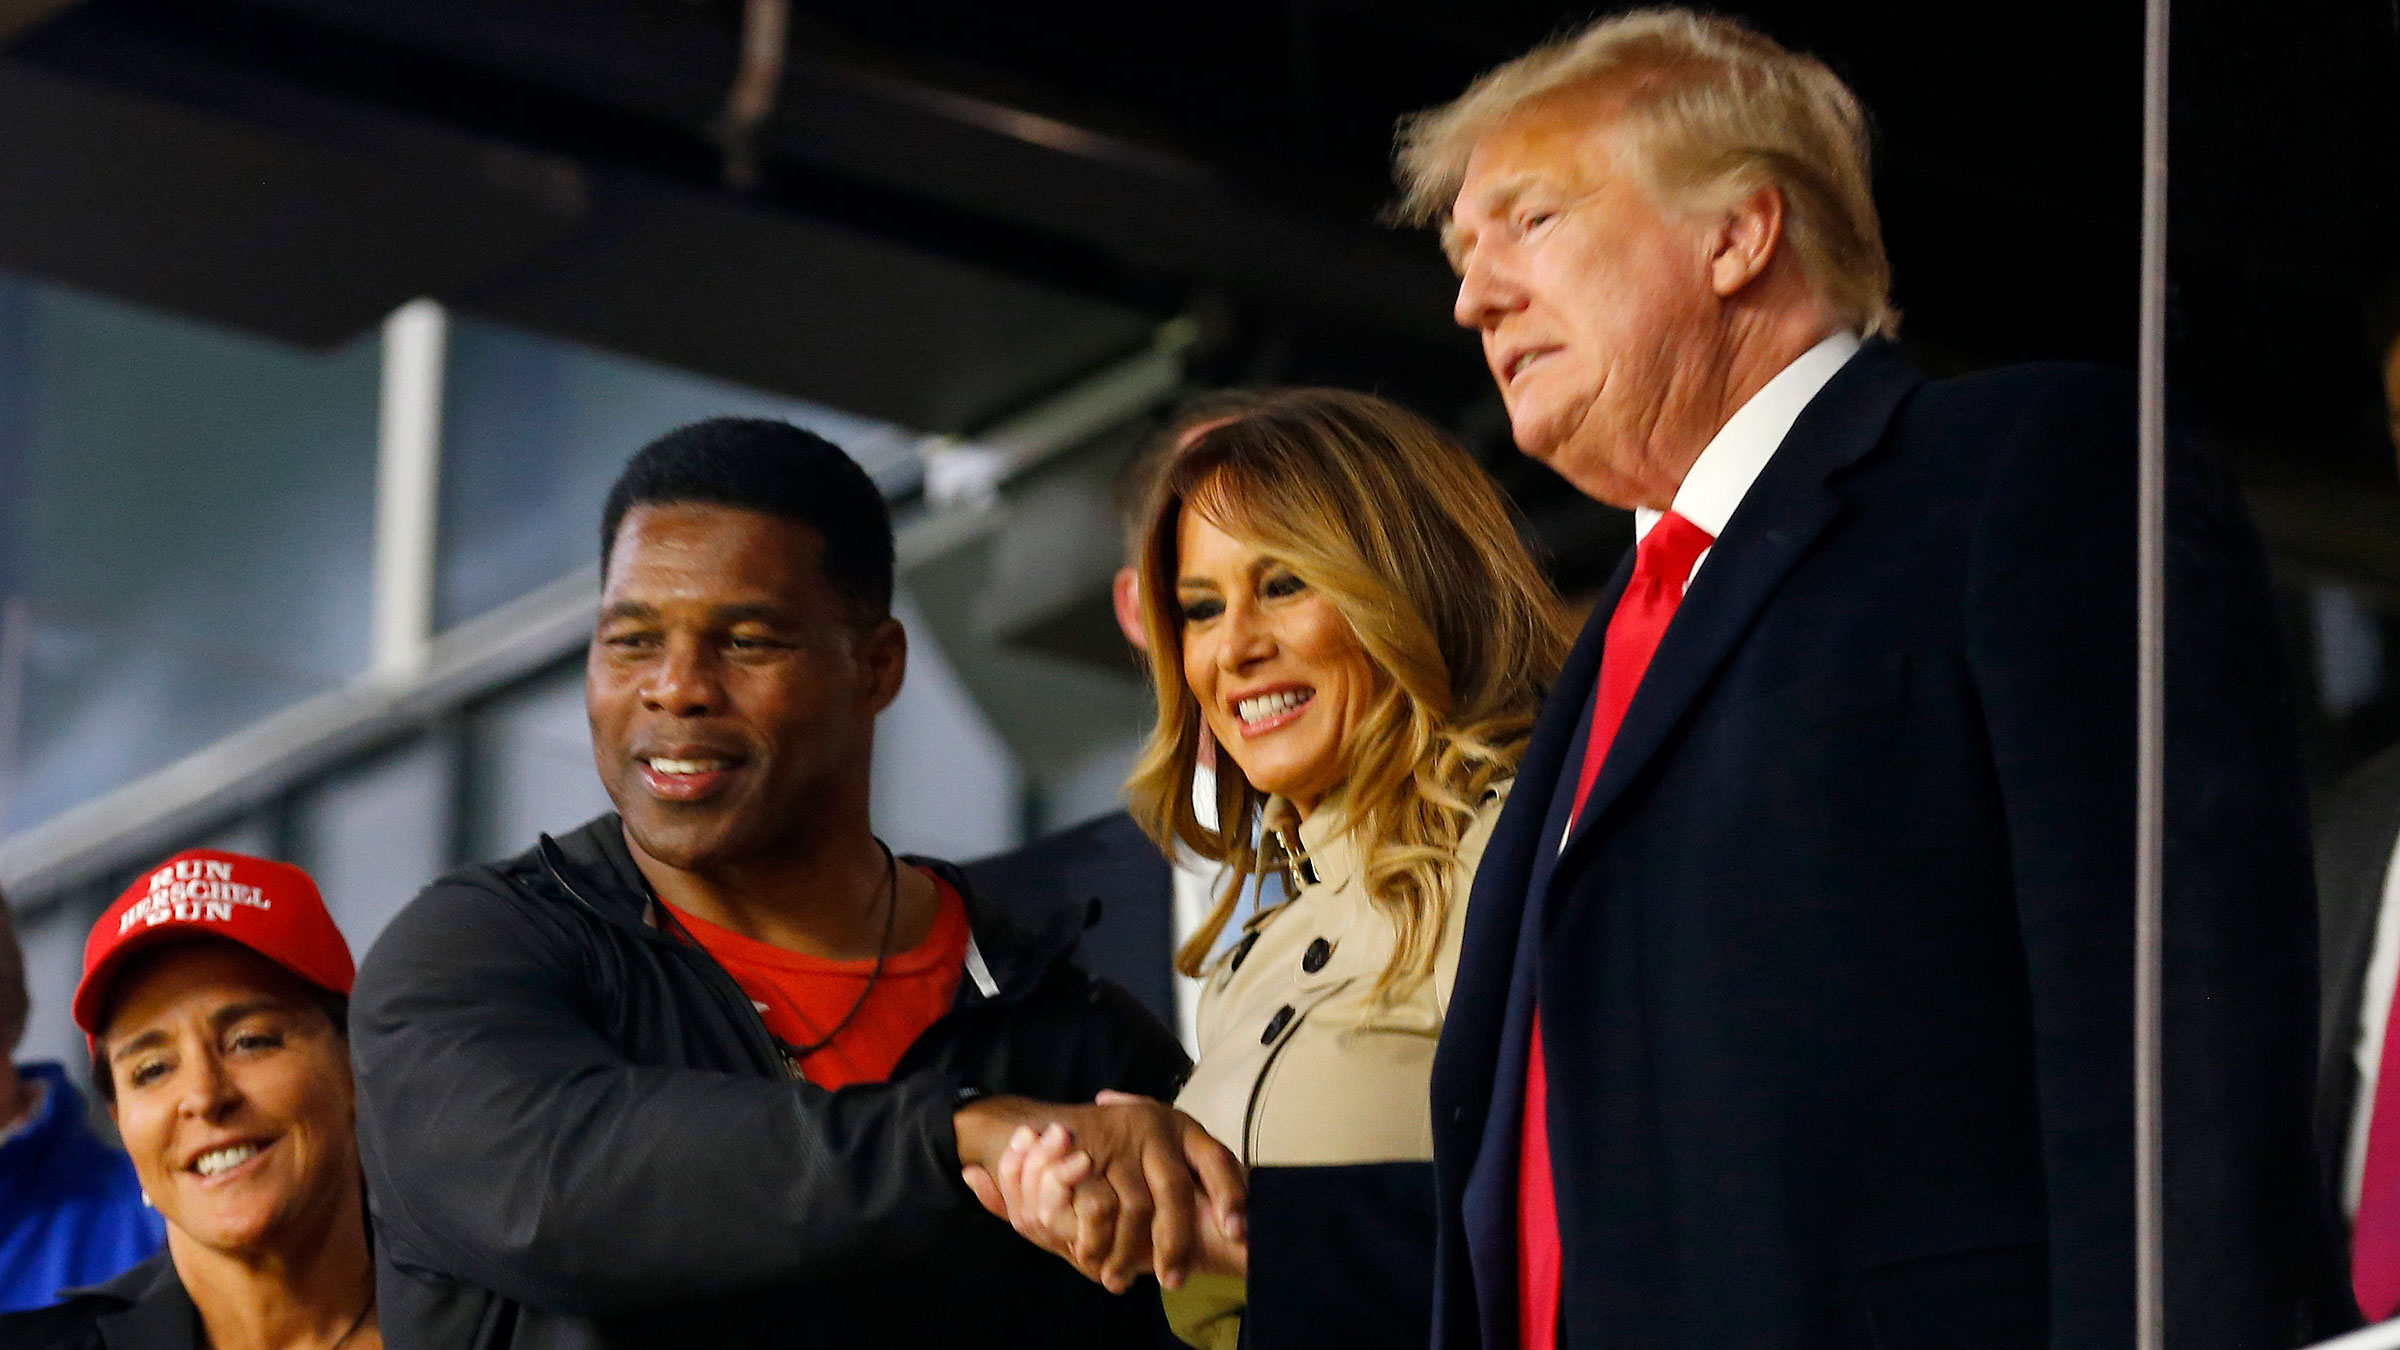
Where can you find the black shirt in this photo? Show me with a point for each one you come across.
(143, 1309)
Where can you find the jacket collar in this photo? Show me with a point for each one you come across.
(1318, 851)
(599, 875)
(150, 1309)
(1785, 510)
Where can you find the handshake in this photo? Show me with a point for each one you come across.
(1123, 1185)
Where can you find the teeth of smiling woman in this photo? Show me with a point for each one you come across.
(1269, 705)
(683, 765)
(218, 1160)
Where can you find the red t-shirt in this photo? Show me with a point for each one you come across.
(803, 997)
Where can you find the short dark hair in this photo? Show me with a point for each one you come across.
(776, 468)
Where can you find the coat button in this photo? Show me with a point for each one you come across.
(1241, 951)
(1276, 1024)
(1319, 952)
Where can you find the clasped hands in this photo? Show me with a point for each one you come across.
(1124, 1185)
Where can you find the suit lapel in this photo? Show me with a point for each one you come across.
(1780, 517)
(1514, 863)
(1478, 1069)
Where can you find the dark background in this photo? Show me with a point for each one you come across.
(952, 211)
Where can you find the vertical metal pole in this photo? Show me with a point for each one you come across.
(2151, 701)
(408, 487)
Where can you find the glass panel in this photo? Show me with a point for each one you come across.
(945, 782)
(535, 430)
(530, 771)
(186, 540)
(375, 833)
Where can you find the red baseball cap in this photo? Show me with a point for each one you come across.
(270, 907)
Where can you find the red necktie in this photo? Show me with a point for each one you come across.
(1661, 565)
(2375, 1242)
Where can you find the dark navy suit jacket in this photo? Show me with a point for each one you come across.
(1835, 973)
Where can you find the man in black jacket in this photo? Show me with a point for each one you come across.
(706, 1071)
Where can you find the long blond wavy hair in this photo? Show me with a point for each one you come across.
(1400, 530)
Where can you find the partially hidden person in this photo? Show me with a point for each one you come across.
(71, 1209)
(2358, 887)
(708, 1070)
(215, 994)
(1334, 594)
(1796, 1003)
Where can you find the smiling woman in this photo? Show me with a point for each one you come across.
(215, 993)
(1335, 595)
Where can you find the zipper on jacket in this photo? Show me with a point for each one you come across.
(713, 972)
(976, 975)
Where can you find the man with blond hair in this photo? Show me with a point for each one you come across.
(1796, 1005)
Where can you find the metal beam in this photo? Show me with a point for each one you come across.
(2150, 716)
(252, 766)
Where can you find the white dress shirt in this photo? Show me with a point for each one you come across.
(1735, 456)
(2374, 1007)
(1198, 883)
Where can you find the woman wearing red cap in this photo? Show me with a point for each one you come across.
(215, 992)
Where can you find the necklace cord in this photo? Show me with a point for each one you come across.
(883, 951)
(355, 1323)
(792, 1054)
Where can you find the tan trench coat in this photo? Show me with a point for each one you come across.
(1300, 1064)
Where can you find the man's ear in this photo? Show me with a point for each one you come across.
(1746, 238)
(1126, 594)
(884, 653)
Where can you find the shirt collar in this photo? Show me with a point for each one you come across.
(1735, 456)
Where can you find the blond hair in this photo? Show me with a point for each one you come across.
(1711, 111)
(1401, 531)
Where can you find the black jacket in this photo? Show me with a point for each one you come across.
(577, 1132)
(1836, 970)
(143, 1309)
(1113, 865)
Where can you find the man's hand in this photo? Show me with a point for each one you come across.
(1144, 1185)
